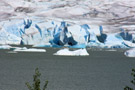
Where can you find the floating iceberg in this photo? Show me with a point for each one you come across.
(130, 53)
(67, 52)
(24, 49)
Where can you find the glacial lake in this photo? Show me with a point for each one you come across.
(101, 70)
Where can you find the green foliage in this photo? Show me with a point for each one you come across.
(45, 86)
(132, 81)
(36, 82)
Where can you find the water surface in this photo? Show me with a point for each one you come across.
(101, 70)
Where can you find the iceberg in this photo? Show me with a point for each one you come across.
(130, 52)
(67, 52)
(24, 49)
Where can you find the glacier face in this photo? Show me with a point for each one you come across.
(57, 34)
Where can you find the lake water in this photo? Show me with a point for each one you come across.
(101, 70)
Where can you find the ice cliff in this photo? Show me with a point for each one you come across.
(57, 34)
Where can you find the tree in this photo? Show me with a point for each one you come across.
(132, 81)
(36, 82)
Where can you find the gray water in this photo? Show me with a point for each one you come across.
(101, 70)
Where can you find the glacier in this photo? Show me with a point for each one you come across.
(68, 23)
